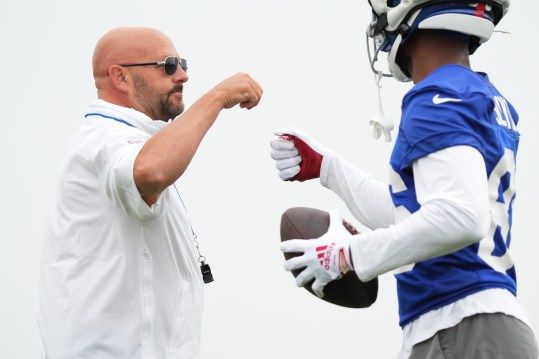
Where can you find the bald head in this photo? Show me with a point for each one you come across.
(127, 44)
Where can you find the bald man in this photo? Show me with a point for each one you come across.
(120, 275)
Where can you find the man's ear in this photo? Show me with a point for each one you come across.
(120, 77)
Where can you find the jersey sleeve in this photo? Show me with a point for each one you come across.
(113, 153)
(368, 199)
(435, 118)
(454, 213)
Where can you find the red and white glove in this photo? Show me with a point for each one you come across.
(296, 155)
(325, 259)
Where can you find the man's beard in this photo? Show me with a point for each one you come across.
(154, 104)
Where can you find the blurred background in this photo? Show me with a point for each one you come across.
(310, 57)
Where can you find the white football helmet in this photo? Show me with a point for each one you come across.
(393, 22)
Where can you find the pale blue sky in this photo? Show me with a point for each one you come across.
(311, 59)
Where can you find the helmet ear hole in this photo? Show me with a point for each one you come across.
(403, 62)
(473, 44)
(401, 58)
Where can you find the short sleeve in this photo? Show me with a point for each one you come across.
(114, 150)
(434, 119)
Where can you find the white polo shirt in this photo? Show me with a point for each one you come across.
(118, 279)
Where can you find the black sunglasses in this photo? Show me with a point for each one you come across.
(170, 64)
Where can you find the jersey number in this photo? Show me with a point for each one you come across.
(493, 248)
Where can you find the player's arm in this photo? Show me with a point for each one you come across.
(451, 186)
(299, 158)
(368, 199)
(452, 189)
(165, 157)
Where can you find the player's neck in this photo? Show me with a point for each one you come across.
(432, 51)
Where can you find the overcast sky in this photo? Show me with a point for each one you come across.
(310, 57)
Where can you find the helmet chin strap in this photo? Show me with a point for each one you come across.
(381, 124)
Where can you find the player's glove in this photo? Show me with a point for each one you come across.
(296, 155)
(325, 259)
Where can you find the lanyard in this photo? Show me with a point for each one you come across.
(205, 268)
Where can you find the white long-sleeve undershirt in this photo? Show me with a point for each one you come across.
(451, 187)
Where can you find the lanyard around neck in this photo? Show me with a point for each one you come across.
(205, 268)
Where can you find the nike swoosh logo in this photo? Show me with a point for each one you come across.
(439, 100)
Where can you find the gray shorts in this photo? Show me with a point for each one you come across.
(482, 336)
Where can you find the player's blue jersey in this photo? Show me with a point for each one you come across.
(456, 106)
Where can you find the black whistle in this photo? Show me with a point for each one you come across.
(207, 277)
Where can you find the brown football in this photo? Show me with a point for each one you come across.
(310, 223)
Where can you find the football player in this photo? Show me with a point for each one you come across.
(443, 224)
